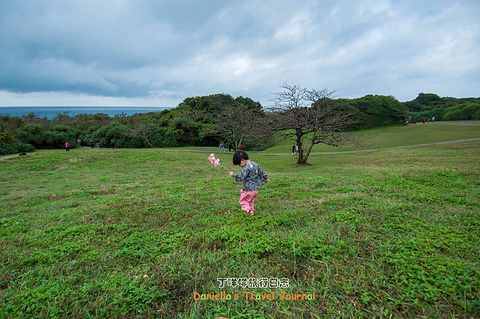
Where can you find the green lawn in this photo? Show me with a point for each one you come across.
(392, 233)
(396, 136)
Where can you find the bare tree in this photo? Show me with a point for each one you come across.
(234, 123)
(144, 132)
(312, 117)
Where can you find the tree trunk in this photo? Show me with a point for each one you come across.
(237, 143)
(300, 160)
(148, 142)
(310, 147)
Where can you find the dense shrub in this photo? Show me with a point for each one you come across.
(114, 131)
(461, 112)
(472, 109)
(57, 135)
(476, 115)
(424, 101)
(437, 113)
(7, 149)
(33, 134)
(53, 137)
(25, 148)
(375, 110)
(443, 108)
(7, 138)
(165, 139)
(129, 142)
(455, 114)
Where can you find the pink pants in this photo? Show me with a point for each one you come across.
(247, 200)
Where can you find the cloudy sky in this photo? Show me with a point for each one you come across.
(158, 52)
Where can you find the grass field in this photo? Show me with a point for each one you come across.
(397, 136)
(392, 233)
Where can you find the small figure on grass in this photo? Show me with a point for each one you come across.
(252, 176)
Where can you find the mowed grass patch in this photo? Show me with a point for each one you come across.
(135, 233)
(395, 136)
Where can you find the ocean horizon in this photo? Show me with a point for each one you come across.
(51, 112)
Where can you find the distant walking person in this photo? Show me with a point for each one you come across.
(423, 120)
(293, 149)
(67, 146)
(113, 143)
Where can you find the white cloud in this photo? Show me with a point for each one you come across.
(134, 51)
(154, 99)
(296, 29)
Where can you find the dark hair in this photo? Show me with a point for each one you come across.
(238, 156)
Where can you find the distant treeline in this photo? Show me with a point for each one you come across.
(430, 105)
(208, 121)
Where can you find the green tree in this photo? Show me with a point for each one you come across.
(33, 134)
(379, 110)
(57, 135)
(465, 111)
(118, 132)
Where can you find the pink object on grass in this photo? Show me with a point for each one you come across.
(216, 161)
(213, 160)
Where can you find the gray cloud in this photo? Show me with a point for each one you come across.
(175, 49)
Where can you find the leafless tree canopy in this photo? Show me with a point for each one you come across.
(144, 132)
(239, 123)
(235, 122)
(312, 117)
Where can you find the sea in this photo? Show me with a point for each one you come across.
(51, 112)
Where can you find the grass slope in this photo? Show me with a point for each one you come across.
(135, 233)
(396, 136)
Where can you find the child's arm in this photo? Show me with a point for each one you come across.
(239, 177)
(263, 174)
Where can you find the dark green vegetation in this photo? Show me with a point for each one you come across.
(393, 233)
(373, 111)
(209, 120)
(195, 121)
(430, 105)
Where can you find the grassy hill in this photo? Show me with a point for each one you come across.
(143, 233)
(396, 136)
